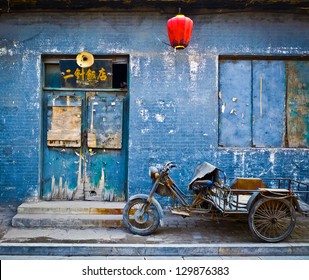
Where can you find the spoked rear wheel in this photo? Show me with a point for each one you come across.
(138, 220)
(272, 219)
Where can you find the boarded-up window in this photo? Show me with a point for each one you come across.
(263, 103)
(64, 121)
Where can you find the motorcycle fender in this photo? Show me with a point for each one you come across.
(154, 202)
(252, 200)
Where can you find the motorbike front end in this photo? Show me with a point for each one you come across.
(160, 186)
(142, 213)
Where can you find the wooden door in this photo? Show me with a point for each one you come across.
(84, 155)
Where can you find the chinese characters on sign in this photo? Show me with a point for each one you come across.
(99, 75)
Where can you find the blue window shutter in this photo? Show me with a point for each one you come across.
(268, 103)
(235, 103)
(298, 104)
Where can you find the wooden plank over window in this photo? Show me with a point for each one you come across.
(64, 122)
(298, 104)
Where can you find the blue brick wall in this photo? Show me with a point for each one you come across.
(19, 122)
(173, 112)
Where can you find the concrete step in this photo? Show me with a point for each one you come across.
(71, 214)
(71, 207)
(66, 220)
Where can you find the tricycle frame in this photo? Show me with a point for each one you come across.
(271, 210)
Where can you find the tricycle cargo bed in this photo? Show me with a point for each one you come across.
(241, 190)
(247, 184)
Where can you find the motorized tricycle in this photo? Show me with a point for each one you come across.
(270, 204)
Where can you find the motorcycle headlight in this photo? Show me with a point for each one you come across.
(153, 172)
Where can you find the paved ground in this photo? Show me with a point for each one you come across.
(193, 230)
(198, 236)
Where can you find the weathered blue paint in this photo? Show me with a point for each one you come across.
(235, 104)
(268, 103)
(84, 155)
(61, 174)
(107, 150)
(173, 110)
(252, 97)
(298, 104)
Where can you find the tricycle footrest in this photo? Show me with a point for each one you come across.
(180, 212)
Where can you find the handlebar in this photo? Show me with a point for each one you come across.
(169, 165)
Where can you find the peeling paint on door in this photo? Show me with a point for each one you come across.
(104, 170)
(105, 122)
(84, 156)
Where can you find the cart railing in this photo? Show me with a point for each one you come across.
(300, 189)
(236, 199)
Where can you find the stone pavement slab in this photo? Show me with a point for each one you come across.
(194, 236)
(176, 230)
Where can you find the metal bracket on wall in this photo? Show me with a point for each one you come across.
(261, 97)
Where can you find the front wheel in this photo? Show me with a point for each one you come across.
(272, 219)
(141, 218)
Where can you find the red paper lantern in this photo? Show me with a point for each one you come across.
(179, 29)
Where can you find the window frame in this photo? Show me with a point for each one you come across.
(285, 130)
(54, 60)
